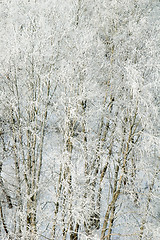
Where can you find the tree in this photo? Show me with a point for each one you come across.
(79, 116)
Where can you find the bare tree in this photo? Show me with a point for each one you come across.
(79, 120)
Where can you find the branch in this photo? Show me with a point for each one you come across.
(4, 190)
(4, 223)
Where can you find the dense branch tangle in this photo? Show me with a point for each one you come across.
(99, 57)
